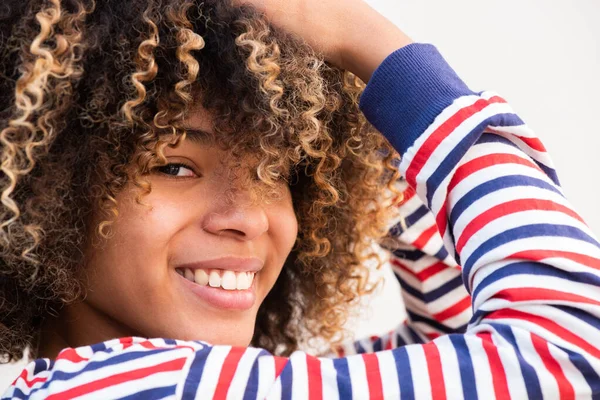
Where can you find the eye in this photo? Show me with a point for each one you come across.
(177, 170)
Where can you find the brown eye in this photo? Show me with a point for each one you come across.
(176, 170)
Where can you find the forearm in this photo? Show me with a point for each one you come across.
(371, 40)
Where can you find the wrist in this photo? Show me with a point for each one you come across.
(372, 39)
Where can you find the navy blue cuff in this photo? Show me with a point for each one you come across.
(410, 88)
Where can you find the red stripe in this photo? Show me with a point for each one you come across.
(537, 255)
(228, 371)
(496, 367)
(315, 383)
(172, 365)
(533, 142)
(24, 375)
(408, 194)
(546, 295)
(422, 240)
(431, 143)
(510, 207)
(436, 374)
(390, 341)
(565, 389)
(70, 354)
(549, 325)
(373, 376)
(486, 161)
(280, 363)
(425, 273)
(126, 342)
(453, 310)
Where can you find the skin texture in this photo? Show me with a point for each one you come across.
(190, 216)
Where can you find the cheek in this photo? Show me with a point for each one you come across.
(137, 251)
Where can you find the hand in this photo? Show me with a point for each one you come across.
(349, 33)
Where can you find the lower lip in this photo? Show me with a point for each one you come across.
(221, 298)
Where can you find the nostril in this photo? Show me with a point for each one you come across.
(234, 232)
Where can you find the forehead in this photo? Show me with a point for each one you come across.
(199, 126)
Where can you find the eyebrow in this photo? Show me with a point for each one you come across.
(198, 136)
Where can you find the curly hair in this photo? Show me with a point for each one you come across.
(92, 93)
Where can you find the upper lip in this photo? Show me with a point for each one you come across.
(229, 263)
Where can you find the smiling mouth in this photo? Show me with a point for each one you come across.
(215, 278)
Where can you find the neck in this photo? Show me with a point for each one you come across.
(78, 324)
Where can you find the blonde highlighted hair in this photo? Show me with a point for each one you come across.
(91, 93)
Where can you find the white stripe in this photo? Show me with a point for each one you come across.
(419, 372)
(148, 360)
(481, 366)
(517, 220)
(450, 368)
(538, 243)
(510, 365)
(299, 376)
(448, 145)
(239, 382)
(572, 373)
(357, 371)
(329, 381)
(389, 375)
(133, 386)
(212, 371)
(266, 375)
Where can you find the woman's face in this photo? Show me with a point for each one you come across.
(198, 262)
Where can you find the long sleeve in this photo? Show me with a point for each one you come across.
(529, 263)
(435, 299)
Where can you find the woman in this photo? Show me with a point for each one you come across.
(528, 261)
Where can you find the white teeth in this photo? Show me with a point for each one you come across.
(242, 281)
(214, 280)
(201, 277)
(189, 275)
(228, 280)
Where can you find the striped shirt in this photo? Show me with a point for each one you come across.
(500, 277)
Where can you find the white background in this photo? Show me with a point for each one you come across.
(543, 56)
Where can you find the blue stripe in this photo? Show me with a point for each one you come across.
(433, 294)
(407, 390)
(522, 232)
(286, 381)
(41, 364)
(410, 255)
(343, 378)
(494, 185)
(583, 315)
(588, 372)
(358, 347)
(537, 269)
(435, 324)
(409, 220)
(491, 137)
(95, 365)
(458, 152)
(532, 382)
(17, 394)
(154, 393)
(465, 366)
(192, 380)
(251, 391)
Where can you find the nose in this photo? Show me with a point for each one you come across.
(242, 222)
